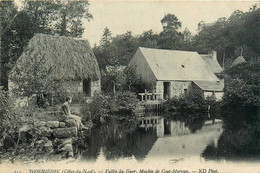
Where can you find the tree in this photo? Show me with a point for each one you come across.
(227, 35)
(170, 38)
(148, 39)
(106, 38)
(69, 17)
(48, 17)
(241, 101)
(170, 23)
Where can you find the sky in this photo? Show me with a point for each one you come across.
(138, 16)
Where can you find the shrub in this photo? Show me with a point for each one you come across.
(241, 101)
(120, 104)
(11, 121)
(191, 104)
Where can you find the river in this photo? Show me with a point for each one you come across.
(147, 144)
(159, 141)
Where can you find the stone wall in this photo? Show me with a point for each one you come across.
(177, 88)
(53, 139)
(218, 95)
(76, 87)
(95, 87)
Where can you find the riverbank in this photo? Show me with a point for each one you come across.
(45, 135)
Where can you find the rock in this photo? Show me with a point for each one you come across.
(67, 141)
(44, 131)
(48, 144)
(65, 132)
(70, 154)
(62, 124)
(39, 142)
(53, 124)
(40, 123)
(67, 148)
(45, 139)
(70, 123)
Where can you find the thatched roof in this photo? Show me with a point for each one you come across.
(238, 60)
(176, 65)
(58, 58)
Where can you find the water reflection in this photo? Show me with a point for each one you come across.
(225, 148)
(144, 138)
(163, 127)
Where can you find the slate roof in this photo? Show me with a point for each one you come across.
(210, 85)
(213, 64)
(177, 65)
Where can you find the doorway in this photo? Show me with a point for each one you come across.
(166, 90)
(87, 87)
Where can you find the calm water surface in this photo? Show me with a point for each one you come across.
(147, 138)
(159, 141)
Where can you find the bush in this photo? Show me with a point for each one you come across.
(120, 104)
(241, 101)
(191, 109)
(191, 104)
(11, 121)
(240, 109)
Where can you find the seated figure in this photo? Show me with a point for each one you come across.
(66, 110)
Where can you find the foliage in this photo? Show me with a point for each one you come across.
(192, 109)
(69, 17)
(120, 78)
(11, 121)
(170, 22)
(240, 111)
(188, 104)
(227, 35)
(113, 79)
(241, 100)
(18, 26)
(102, 105)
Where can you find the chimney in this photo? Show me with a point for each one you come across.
(214, 55)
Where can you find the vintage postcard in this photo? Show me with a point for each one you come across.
(129, 86)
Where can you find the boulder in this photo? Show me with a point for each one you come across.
(70, 122)
(48, 147)
(67, 141)
(44, 131)
(40, 123)
(67, 148)
(39, 142)
(53, 124)
(62, 124)
(65, 132)
(48, 144)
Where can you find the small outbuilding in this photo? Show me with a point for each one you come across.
(65, 62)
(170, 73)
(238, 60)
(209, 89)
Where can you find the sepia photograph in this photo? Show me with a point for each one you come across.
(129, 86)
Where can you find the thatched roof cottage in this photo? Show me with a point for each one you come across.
(68, 62)
(170, 73)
